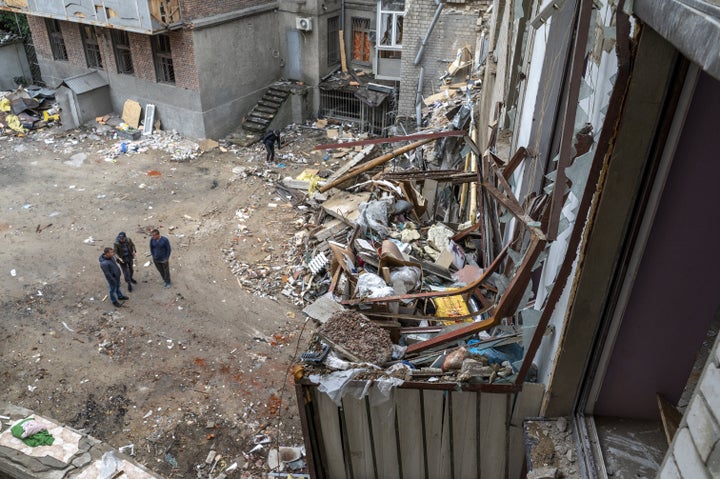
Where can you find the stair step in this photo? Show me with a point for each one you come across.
(278, 99)
(265, 109)
(252, 126)
(258, 119)
(277, 92)
(268, 103)
(262, 114)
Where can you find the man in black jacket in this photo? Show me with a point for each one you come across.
(269, 139)
(125, 254)
(109, 267)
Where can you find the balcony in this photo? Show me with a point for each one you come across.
(140, 16)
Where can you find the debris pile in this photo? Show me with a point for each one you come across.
(26, 109)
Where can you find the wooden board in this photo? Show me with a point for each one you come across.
(465, 434)
(331, 446)
(492, 447)
(412, 454)
(437, 433)
(345, 206)
(359, 448)
(131, 113)
(528, 404)
(382, 415)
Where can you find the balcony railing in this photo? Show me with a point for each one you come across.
(141, 16)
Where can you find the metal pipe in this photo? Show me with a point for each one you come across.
(419, 55)
(418, 98)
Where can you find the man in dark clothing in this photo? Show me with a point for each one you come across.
(109, 267)
(160, 250)
(269, 139)
(125, 254)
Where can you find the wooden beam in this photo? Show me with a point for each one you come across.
(514, 162)
(394, 139)
(373, 163)
(343, 57)
(514, 207)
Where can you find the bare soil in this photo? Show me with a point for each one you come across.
(176, 372)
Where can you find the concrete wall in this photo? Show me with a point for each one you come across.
(455, 29)
(14, 64)
(236, 62)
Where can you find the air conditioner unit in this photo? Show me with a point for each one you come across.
(303, 23)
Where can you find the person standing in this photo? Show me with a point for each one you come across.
(160, 250)
(125, 253)
(269, 139)
(110, 268)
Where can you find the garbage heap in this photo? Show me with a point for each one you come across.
(419, 260)
(29, 108)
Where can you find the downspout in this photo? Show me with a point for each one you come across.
(439, 8)
(418, 98)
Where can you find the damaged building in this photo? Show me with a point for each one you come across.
(210, 68)
(575, 203)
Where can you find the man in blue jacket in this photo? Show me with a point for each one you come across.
(110, 268)
(160, 250)
(269, 139)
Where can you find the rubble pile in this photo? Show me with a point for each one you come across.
(26, 109)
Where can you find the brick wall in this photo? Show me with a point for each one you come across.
(73, 43)
(183, 53)
(194, 9)
(40, 36)
(142, 56)
(456, 28)
(695, 450)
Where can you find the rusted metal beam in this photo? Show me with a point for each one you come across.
(514, 207)
(373, 163)
(514, 162)
(394, 139)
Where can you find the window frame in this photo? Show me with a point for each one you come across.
(361, 25)
(333, 40)
(56, 39)
(91, 47)
(163, 58)
(122, 51)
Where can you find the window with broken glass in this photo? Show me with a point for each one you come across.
(390, 25)
(361, 40)
(57, 42)
(91, 46)
(162, 55)
(333, 41)
(123, 56)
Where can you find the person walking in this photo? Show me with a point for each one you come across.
(110, 268)
(160, 250)
(269, 139)
(125, 253)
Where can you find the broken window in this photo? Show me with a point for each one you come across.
(162, 54)
(333, 41)
(361, 40)
(123, 56)
(57, 42)
(91, 46)
(390, 25)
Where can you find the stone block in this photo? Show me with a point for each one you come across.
(713, 461)
(669, 469)
(687, 457)
(710, 388)
(703, 427)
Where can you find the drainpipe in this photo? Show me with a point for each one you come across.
(439, 8)
(418, 98)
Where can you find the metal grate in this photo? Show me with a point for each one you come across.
(344, 106)
(91, 47)
(123, 56)
(164, 70)
(57, 42)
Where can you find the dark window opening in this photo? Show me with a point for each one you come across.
(91, 46)
(333, 41)
(164, 70)
(123, 57)
(57, 42)
(361, 40)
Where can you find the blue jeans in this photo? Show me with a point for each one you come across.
(115, 292)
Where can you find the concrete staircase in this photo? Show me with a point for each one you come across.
(258, 120)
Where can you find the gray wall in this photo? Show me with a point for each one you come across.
(236, 62)
(14, 64)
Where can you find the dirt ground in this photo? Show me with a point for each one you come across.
(176, 372)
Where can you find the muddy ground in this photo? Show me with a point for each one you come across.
(176, 372)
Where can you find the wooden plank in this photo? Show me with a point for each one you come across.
(359, 445)
(343, 57)
(492, 434)
(465, 438)
(131, 113)
(333, 457)
(514, 162)
(410, 433)
(514, 208)
(345, 206)
(393, 139)
(670, 416)
(429, 192)
(437, 434)
(527, 404)
(382, 417)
